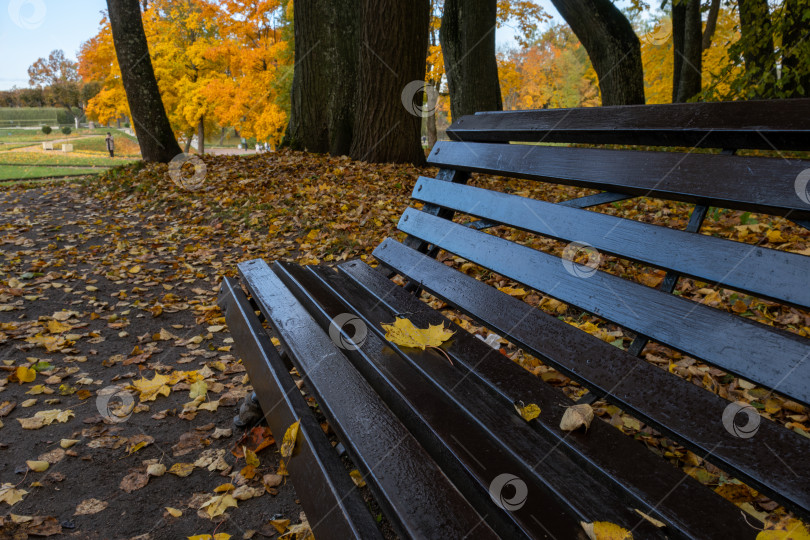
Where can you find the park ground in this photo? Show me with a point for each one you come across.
(111, 280)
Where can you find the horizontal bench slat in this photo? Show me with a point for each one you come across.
(467, 435)
(389, 457)
(765, 124)
(685, 505)
(742, 183)
(746, 348)
(768, 273)
(632, 383)
(341, 511)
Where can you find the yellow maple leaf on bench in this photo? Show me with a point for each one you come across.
(405, 334)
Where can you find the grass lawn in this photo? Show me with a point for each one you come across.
(16, 135)
(22, 172)
(124, 145)
(59, 158)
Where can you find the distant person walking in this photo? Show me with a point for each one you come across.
(110, 144)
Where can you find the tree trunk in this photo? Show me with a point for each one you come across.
(189, 137)
(467, 36)
(711, 24)
(678, 40)
(201, 136)
(612, 46)
(432, 102)
(392, 61)
(686, 82)
(221, 136)
(758, 47)
(155, 135)
(796, 50)
(324, 77)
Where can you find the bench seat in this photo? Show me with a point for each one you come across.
(436, 436)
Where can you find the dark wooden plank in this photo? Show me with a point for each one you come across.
(594, 200)
(754, 184)
(472, 438)
(732, 343)
(323, 485)
(671, 278)
(418, 498)
(767, 125)
(773, 459)
(768, 273)
(688, 507)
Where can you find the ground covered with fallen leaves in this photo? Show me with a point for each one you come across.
(118, 382)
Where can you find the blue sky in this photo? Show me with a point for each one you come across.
(31, 29)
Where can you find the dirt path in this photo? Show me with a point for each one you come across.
(142, 305)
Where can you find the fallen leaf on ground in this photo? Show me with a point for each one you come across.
(150, 389)
(156, 469)
(45, 418)
(174, 512)
(792, 530)
(218, 504)
(11, 495)
(25, 374)
(38, 466)
(134, 481)
(182, 469)
(90, 506)
(67, 443)
(357, 478)
(257, 439)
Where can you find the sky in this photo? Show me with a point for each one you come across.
(31, 29)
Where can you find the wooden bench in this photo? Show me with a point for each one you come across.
(441, 446)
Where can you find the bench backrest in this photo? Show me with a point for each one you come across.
(774, 358)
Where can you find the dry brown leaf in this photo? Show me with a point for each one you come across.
(577, 416)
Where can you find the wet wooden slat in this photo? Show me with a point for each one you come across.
(772, 274)
(688, 413)
(393, 463)
(754, 184)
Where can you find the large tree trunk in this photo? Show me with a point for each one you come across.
(394, 35)
(467, 37)
(155, 135)
(688, 50)
(324, 76)
(796, 49)
(612, 46)
(758, 47)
